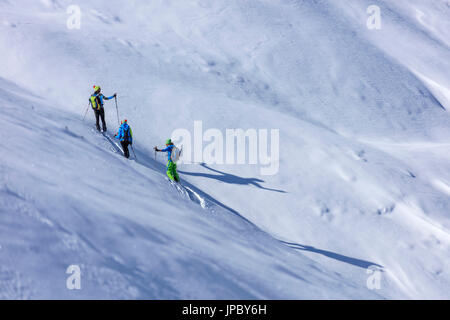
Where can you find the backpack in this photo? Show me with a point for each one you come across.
(126, 134)
(95, 102)
(176, 153)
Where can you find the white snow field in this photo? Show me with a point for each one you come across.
(360, 206)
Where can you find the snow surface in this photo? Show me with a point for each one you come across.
(364, 175)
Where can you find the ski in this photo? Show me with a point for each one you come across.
(113, 145)
(178, 187)
(195, 197)
(188, 193)
(111, 140)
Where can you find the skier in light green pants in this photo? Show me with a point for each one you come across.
(171, 165)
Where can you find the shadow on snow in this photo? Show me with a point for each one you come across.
(229, 178)
(353, 261)
(149, 162)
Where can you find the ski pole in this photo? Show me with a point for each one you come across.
(86, 112)
(117, 109)
(133, 151)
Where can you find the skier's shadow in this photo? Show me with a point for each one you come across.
(229, 178)
(353, 261)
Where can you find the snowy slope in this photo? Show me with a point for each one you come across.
(73, 200)
(364, 154)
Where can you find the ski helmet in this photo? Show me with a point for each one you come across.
(96, 88)
(123, 121)
(169, 141)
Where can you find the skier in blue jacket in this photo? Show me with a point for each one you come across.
(125, 136)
